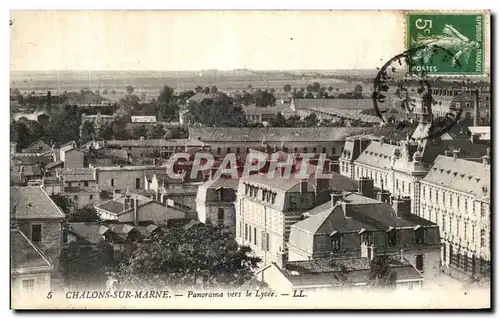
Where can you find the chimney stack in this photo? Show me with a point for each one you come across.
(448, 153)
(456, 154)
(281, 259)
(127, 203)
(336, 196)
(303, 186)
(384, 196)
(116, 193)
(136, 211)
(402, 206)
(365, 186)
(476, 109)
(486, 160)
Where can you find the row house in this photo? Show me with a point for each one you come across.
(353, 225)
(456, 195)
(225, 140)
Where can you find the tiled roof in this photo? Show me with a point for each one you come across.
(77, 174)
(278, 182)
(378, 155)
(117, 206)
(461, 175)
(328, 265)
(24, 254)
(89, 232)
(55, 164)
(273, 134)
(33, 202)
(37, 147)
(32, 160)
(144, 143)
(333, 103)
(221, 182)
(143, 119)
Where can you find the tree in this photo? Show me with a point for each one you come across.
(87, 214)
(168, 107)
(263, 98)
(198, 89)
(84, 266)
(279, 121)
(64, 126)
(203, 256)
(294, 121)
(358, 90)
(120, 126)
(206, 90)
(130, 89)
(113, 91)
(140, 131)
(155, 132)
(219, 111)
(64, 203)
(87, 132)
(105, 91)
(381, 275)
(311, 120)
(287, 88)
(106, 132)
(214, 89)
(330, 88)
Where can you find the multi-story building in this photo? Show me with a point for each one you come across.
(39, 218)
(266, 207)
(119, 176)
(456, 195)
(215, 202)
(80, 185)
(353, 225)
(224, 140)
(399, 166)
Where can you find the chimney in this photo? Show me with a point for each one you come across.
(116, 193)
(476, 109)
(127, 203)
(365, 186)
(281, 259)
(486, 160)
(303, 186)
(384, 196)
(336, 196)
(136, 211)
(402, 206)
(401, 255)
(456, 154)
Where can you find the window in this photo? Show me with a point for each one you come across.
(483, 238)
(336, 242)
(458, 202)
(443, 223)
(137, 183)
(295, 150)
(246, 232)
(237, 150)
(250, 233)
(451, 201)
(315, 150)
(324, 150)
(465, 204)
(91, 197)
(483, 210)
(397, 184)
(86, 183)
(28, 285)
(255, 236)
(392, 238)
(420, 262)
(228, 150)
(333, 150)
(112, 183)
(220, 216)
(420, 236)
(443, 198)
(36, 233)
(304, 150)
(218, 150)
(410, 285)
(465, 231)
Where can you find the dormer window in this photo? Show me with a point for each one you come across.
(392, 237)
(419, 235)
(336, 240)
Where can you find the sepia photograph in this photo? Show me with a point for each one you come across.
(291, 159)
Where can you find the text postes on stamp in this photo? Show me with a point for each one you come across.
(460, 34)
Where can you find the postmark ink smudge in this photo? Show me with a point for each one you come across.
(386, 76)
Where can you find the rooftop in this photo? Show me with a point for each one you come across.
(24, 254)
(32, 202)
(333, 103)
(273, 134)
(461, 175)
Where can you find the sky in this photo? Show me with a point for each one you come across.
(197, 40)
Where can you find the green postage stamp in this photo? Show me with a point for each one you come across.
(446, 43)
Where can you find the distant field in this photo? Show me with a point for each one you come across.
(152, 82)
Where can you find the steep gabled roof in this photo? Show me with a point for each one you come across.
(32, 202)
(25, 255)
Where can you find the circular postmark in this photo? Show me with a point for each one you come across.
(411, 94)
